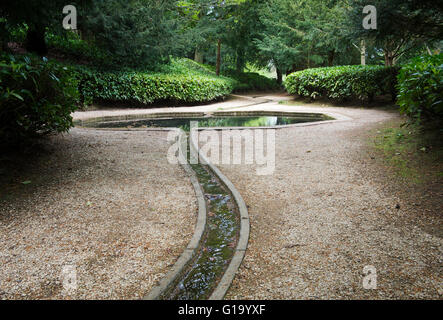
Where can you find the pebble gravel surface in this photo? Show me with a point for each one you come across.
(100, 215)
(327, 212)
(109, 206)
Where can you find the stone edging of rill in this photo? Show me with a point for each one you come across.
(240, 251)
(191, 249)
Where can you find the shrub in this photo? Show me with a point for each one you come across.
(72, 47)
(420, 87)
(181, 81)
(252, 81)
(343, 82)
(36, 98)
(146, 88)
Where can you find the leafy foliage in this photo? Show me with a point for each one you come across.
(343, 82)
(176, 82)
(420, 87)
(37, 97)
(134, 33)
(252, 81)
(301, 34)
(72, 47)
(402, 25)
(37, 15)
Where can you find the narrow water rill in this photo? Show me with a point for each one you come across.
(217, 245)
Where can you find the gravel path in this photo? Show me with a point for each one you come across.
(326, 213)
(103, 202)
(107, 203)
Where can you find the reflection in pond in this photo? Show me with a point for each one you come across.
(215, 121)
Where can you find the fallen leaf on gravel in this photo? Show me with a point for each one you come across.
(290, 246)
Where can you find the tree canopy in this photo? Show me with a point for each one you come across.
(231, 34)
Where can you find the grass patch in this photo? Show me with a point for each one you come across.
(412, 151)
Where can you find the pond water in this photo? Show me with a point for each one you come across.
(211, 121)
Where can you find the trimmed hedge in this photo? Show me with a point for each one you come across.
(420, 87)
(143, 88)
(36, 98)
(181, 82)
(343, 82)
(253, 81)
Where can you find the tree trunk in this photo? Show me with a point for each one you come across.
(198, 56)
(331, 56)
(217, 68)
(240, 63)
(309, 60)
(35, 40)
(389, 59)
(279, 76)
(363, 53)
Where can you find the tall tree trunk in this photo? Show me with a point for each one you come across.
(389, 58)
(279, 76)
(240, 63)
(217, 68)
(35, 40)
(331, 56)
(309, 60)
(363, 52)
(198, 56)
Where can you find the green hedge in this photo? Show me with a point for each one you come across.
(182, 80)
(420, 87)
(36, 98)
(142, 88)
(252, 81)
(343, 82)
(177, 82)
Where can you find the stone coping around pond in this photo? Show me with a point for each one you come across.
(240, 251)
(185, 258)
(237, 101)
(166, 115)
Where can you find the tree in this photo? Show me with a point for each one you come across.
(137, 32)
(211, 22)
(246, 26)
(37, 15)
(402, 25)
(301, 33)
